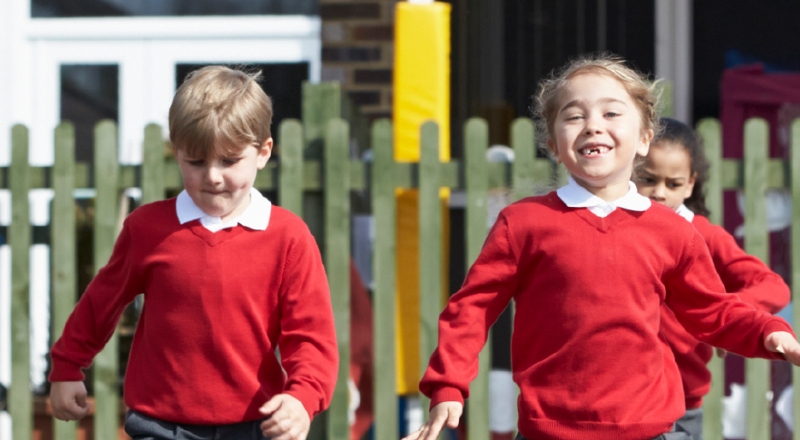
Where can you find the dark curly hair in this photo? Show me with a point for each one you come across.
(681, 134)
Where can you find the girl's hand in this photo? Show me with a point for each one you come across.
(68, 400)
(785, 343)
(443, 413)
(287, 418)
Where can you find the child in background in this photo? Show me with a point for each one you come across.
(674, 174)
(227, 278)
(588, 267)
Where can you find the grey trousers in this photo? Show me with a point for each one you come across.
(666, 436)
(692, 422)
(142, 427)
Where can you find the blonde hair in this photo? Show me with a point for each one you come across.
(645, 93)
(219, 107)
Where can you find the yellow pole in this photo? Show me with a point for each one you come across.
(421, 93)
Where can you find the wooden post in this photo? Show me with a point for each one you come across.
(476, 182)
(430, 247)
(106, 363)
(384, 260)
(337, 263)
(290, 186)
(795, 188)
(63, 247)
(711, 134)
(20, 400)
(756, 243)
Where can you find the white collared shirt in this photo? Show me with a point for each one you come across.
(576, 196)
(685, 212)
(255, 216)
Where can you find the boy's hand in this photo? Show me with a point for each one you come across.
(443, 413)
(287, 419)
(785, 343)
(68, 400)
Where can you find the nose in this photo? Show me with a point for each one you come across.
(593, 125)
(213, 175)
(659, 193)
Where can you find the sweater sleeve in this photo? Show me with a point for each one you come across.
(745, 275)
(697, 297)
(464, 324)
(308, 347)
(97, 313)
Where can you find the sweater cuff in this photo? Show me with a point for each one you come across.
(65, 371)
(446, 394)
(776, 325)
(311, 402)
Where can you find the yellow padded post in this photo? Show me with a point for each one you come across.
(421, 93)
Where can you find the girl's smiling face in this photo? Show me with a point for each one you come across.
(598, 133)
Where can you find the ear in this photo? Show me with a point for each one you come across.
(264, 153)
(644, 145)
(551, 145)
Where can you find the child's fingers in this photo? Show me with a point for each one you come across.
(270, 407)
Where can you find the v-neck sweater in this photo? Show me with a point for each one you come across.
(743, 275)
(586, 350)
(217, 305)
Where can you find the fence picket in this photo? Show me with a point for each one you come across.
(106, 363)
(290, 187)
(711, 134)
(476, 183)
(20, 400)
(756, 242)
(795, 260)
(430, 246)
(63, 246)
(153, 157)
(384, 209)
(337, 263)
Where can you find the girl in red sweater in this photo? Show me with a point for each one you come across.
(588, 267)
(674, 174)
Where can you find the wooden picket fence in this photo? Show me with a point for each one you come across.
(319, 188)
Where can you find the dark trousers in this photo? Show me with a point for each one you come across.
(142, 427)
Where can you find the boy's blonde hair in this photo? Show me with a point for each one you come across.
(219, 107)
(645, 93)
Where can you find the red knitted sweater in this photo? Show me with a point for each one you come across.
(743, 275)
(586, 350)
(216, 308)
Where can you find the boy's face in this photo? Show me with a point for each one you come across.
(220, 185)
(598, 132)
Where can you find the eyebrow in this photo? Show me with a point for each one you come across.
(575, 102)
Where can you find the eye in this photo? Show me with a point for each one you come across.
(574, 117)
(231, 160)
(196, 162)
(611, 114)
(646, 180)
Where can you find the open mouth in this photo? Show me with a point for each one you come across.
(594, 150)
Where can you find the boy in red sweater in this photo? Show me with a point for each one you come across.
(674, 174)
(588, 268)
(228, 279)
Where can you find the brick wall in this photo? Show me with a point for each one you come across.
(358, 51)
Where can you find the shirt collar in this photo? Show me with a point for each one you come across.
(685, 212)
(255, 216)
(576, 196)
